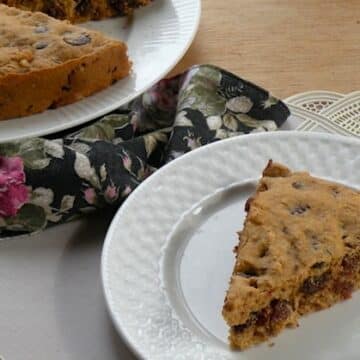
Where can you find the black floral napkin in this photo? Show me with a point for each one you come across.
(46, 181)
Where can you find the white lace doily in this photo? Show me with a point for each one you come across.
(327, 111)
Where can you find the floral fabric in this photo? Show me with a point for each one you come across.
(46, 181)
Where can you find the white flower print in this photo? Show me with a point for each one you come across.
(248, 121)
(192, 142)
(103, 173)
(85, 171)
(240, 104)
(81, 147)
(230, 122)
(67, 203)
(214, 122)
(42, 197)
(53, 149)
(182, 120)
(269, 102)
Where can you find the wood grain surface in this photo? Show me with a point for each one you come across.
(286, 46)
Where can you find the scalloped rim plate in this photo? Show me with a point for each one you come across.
(167, 256)
(157, 38)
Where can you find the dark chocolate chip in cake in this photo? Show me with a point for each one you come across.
(300, 209)
(82, 6)
(280, 311)
(351, 263)
(40, 29)
(298, 185)
(41, 45)
(77, 39)
(117, 5)
(315, 283)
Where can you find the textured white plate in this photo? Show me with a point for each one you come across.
(157, 38)
(168, 254)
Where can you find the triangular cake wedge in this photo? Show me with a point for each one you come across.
(299, 252)
(46, 63)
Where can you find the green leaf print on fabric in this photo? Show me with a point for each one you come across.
(30, 218)
(33, 154)
(202, 93)
(100, 131)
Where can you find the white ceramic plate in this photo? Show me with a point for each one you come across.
(157, 38)
(168, 254)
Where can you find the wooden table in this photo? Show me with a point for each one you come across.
(286, 46)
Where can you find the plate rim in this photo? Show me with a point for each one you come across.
(116, 320)
(197, 6)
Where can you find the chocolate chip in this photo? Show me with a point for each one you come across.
(41, 45)
(248, 203)
(264, 250)
(55, 10)
(66, 88)
(298, 185)
(253, 283)
(248, 270)
(117, 5)
(343, 288)
(251, 320)
(263, 187)
(263, 316)
(280, 311)
(40, 29)
(315, 241)
(77, 40)
(82, 6)
(244, 275)
(315, 283)
(240, 328)
(228, 306)
(351, 264)
(318, 265)
(300, 209)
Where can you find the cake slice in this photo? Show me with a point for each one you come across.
(299, 252)
(46, 63)
(79, 10)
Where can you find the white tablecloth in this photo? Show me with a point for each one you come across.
(52, 305)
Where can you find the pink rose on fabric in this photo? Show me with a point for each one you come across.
(90, 196)
(111, 193)
(126, 191)
(127, 162)
(164, 94)
(13, 192)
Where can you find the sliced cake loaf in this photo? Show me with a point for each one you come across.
(46, 63)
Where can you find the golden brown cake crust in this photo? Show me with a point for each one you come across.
(299, 237)
(46, 63)
(79, 10)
